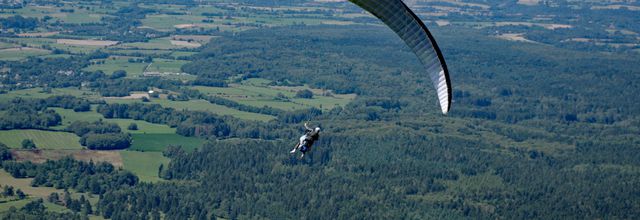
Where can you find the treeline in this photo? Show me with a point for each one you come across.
(81, 204)
(196, 123)
(68, 173)
(5, 153)
(124, 20)
(247, 108)
(49, 72)
(100, 135)
(123, 86)
(347, 171)
(24, 114)
(19, 23)
(33, 113)
(36, 210)
(335, 58)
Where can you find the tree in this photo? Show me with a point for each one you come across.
(108, 141)
(54, 198)
(67, 198)
(36, 207)
(28, 144)
(133, 127)
(8, 191)
(20, 194)
(5, 153)
(118, 74)
(86, 206)
(305, 94)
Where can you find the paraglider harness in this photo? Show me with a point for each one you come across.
(309, 137)
(304, 147)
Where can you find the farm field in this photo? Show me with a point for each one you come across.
(143, 126)
(138, 52)
(38, 93)
(69, 116)
(41, 156)
(14, 54)
(112, 64)
(70, 45)
(42, 139)
(254, 92)
(158, 142)
(166, 65)
(144, 164)
(200, 105)
(153, 44)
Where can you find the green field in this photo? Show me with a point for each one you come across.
(182, 54)
(69, 116)
(255, 92)
(144, 164)
(118, 63)
(153, 44)
(79, 16)
(201, 105)
(42, 139)
(143, 127)
(20, 54)
(166, 65)
(38, 93)
(4, 45)
(38, 42)
(158, 142)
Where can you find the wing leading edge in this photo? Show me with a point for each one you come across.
(396, 15)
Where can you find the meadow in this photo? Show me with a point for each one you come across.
(256, 92)
(42, 139)
(69, 116)
(200, 105)
(153, 44)
(166, 65)
(14, 54)
(39, 93)
(144, 164)
(113, 64)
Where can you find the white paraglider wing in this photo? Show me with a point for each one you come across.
(396, 15)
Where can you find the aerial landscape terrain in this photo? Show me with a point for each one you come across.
(187, 109)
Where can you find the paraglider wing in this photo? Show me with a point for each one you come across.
(396, 15)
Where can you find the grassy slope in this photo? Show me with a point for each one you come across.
(120, 63)
(144, 164)
(202, 105)
(42, 139)
(257, 94)
(69, 116)
(37, 93)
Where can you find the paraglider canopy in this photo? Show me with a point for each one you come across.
(396, 15)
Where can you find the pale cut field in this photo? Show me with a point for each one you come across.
(102, 43)
(40, 156)
(185, 43)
